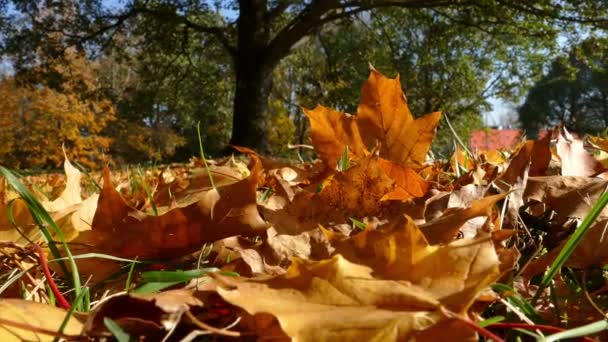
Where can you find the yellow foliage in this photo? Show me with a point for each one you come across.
(37, 120)
(281, 130)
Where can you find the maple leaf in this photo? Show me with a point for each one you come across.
(352, 303)
(532, 157)
(117, 229)
(382, 117)
(71, 193)
(32, 320)
(445, 228)
(143, 314)
(459, 270)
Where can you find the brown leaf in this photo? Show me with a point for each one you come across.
(71, 194)
(531, 156)
(335, 299)
(148, 315)
(568, 196)
(576, 161)
(36, 315)
(591, 251)
(454, 273)
(408, 182)
(120, 231)
(445, 228)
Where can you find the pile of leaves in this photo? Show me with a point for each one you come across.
(374, 241)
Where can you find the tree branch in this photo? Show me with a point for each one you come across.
(218, 32)
(318, 13)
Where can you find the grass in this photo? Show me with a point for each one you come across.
(43, 219)
(146, 188)
(571, 244)
(200, 145)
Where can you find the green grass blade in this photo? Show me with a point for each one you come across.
(116, 330)
(82, 169)
(144, 185)
(266, 195)
(41, 216)
(344, 162)
(358, 224)
(462, 144)
(518, 301)
(70, 313)
(154, 287)
(490, 321)
(102, 256)
(172, 276)
(129, 277)
(200, 145)
(571, 244)
(584, 330)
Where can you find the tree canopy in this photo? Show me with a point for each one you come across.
(242, 68)
(573, 92)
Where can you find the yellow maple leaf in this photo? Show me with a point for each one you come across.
(382, 117)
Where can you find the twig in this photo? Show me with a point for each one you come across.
(49, 278)
(214, 330)
(588, 296)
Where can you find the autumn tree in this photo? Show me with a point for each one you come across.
(66, 109)
(573, 92)
(258, 34)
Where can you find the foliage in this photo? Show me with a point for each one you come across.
(447, 67)
(39, 119)
(573, 92)
(255, 36)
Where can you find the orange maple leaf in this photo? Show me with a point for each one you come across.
(382, 117)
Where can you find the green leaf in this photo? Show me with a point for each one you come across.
(116, 330)
(175, 276)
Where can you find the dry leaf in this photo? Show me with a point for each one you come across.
(446, 228)
(119, 230)
(40, 317)
(382, 117)
(353, 305)
(576, 161)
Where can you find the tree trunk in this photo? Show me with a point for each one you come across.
(249, 123)
(253, 77)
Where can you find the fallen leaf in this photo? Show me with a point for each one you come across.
(454, 273)
(119, 230)
(38, 317)
(382, 117)
(446, 227)
(143, 315)
(71, 194)
(576, 161)
(353, 304)
(567, 196)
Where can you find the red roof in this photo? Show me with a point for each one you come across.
(494, 139)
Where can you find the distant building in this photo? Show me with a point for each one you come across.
(494, 138)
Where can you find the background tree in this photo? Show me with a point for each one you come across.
(258, 34)
(443, 67)
(574, 91)
(65, 109)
